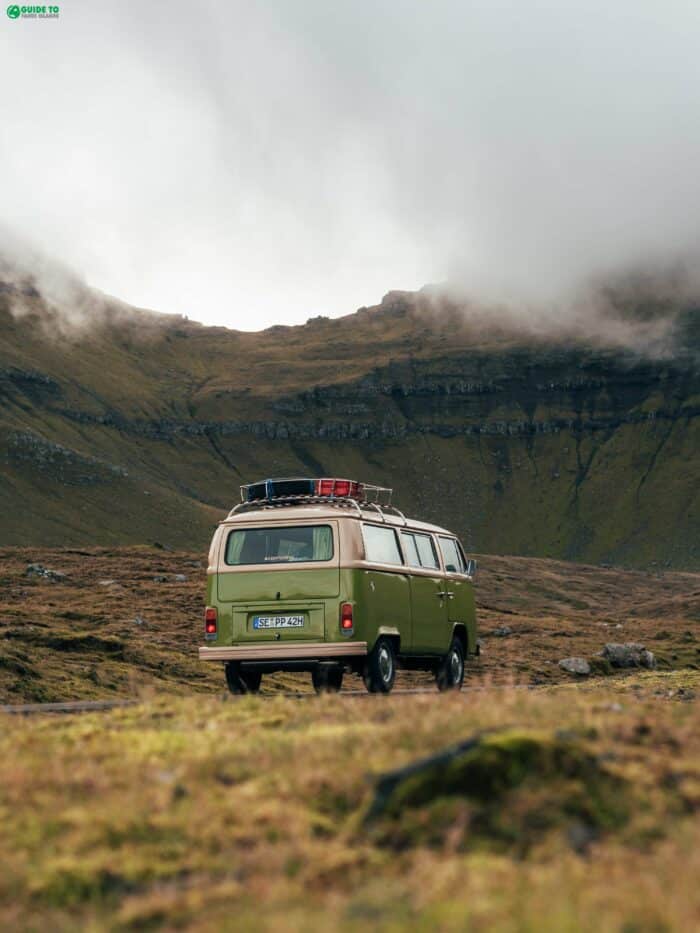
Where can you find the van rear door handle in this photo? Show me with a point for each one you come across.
(446, 593)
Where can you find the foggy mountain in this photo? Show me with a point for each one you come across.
(527, 435)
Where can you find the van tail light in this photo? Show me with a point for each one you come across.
(347, 626)
(210, 622)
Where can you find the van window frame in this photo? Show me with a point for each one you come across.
(278, 564)
(414, 533)
(397, 541)
(404, 533)
(460, 553)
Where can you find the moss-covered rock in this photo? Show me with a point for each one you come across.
(504, 789)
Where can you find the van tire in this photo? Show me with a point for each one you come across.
(327, 679)
(450, 673)
(380, 670)
(239, 681)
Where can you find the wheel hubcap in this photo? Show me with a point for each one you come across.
(455, 667)
(385, 664)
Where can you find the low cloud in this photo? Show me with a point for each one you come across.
(54, 298)
(257, 164)
(35, 284)
(645, 311)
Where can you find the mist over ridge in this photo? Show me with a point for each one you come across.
(651, 313)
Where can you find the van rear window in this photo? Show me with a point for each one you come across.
(279, 545)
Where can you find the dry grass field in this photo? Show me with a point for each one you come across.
(192, 812)
(577, 807)
(125, 620)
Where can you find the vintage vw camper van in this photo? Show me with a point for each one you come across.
(326, 576)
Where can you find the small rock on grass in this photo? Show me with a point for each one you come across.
(38, 570)
(575, 666)
(503, 631)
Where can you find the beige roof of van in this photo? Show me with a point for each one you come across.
(317, 511)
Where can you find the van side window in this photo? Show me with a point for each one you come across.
(381, 546)
(426, 551)
(451, 555)
(410, 549)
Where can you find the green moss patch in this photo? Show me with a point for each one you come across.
(503, 790)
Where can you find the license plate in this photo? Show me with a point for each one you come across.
(278, 622)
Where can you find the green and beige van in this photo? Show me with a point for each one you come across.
(326, 576)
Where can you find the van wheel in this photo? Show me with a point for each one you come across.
(242, 681)
(450, 673)
(327, 679)
(380, 671)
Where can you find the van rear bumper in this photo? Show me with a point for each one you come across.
(307, 651)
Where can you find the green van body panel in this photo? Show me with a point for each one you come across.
(381, 598)
(462, 607)
(429, 614)
(278, 585)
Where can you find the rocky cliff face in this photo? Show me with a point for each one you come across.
(140, 428)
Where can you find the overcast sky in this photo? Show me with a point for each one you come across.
(254, 163)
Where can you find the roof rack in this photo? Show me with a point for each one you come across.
(377, 493)
(384, 509)
(279, 502)
(299, 487)
(336, 501)
(282, 493)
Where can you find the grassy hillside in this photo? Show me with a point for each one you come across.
(135, 427)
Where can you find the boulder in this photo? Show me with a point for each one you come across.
(629, 655)
(575, 666)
